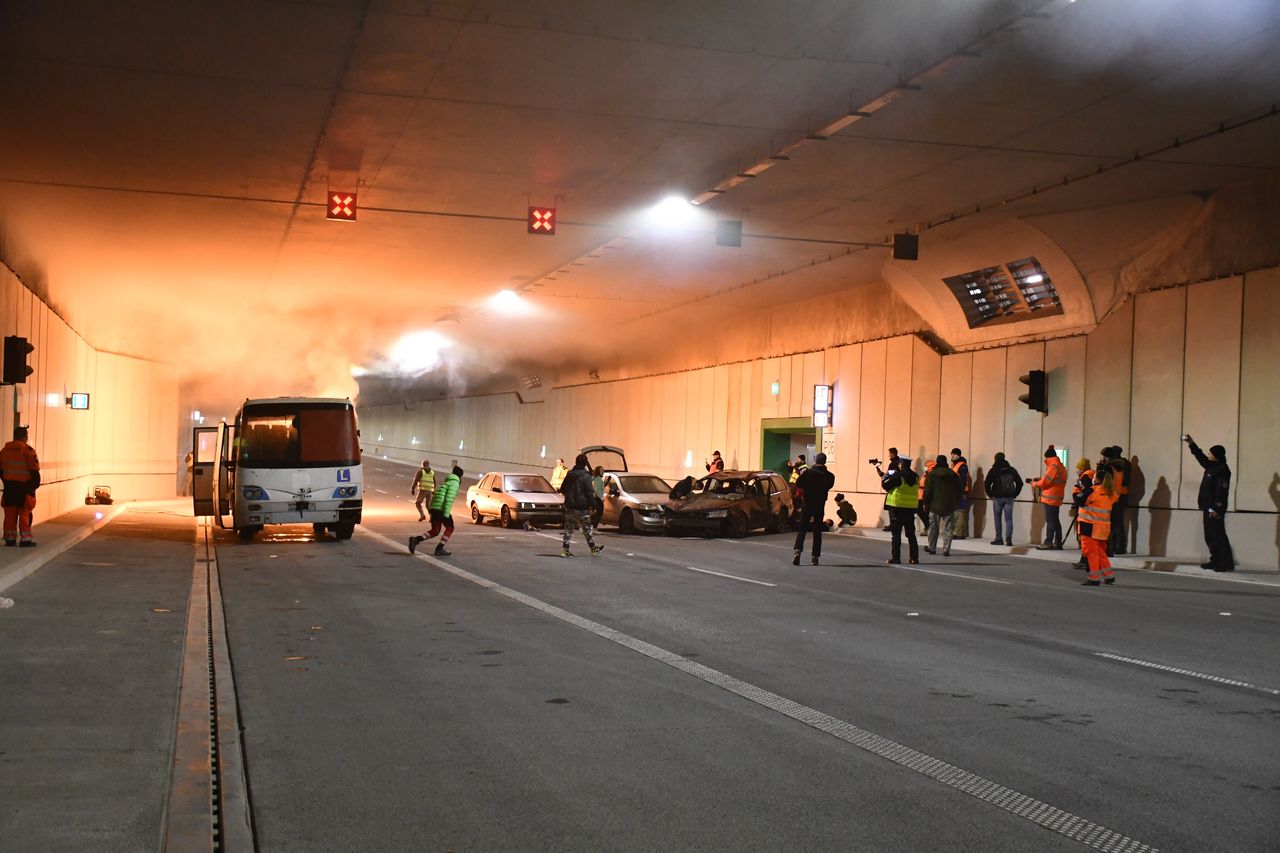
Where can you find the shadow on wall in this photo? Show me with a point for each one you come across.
(1137, 491)
(980, 503)
(1274, 491)
(1161, 518)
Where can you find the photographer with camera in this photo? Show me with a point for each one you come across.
(1215, 491)
(902, 500)
(893, 464)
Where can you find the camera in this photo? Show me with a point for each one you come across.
(875, 462)
(1028, 480)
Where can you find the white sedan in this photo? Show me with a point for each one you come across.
(515, 498)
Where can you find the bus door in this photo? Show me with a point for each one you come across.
(204, 456)
(223, 475)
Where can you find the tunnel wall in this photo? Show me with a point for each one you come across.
(1196, 359)
(125, 440)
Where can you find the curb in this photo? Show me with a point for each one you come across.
(36, 560)
(1138, 564)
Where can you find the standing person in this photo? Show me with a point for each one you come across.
(1003, 485)
(20, 471)
(716, 464)
(558, 474)
(1215, 488)
(814, 484)
(797, 469)
(1123, 469)
(597, 487)
(893, 466)
(961, 466)
(190, 462)
(1084, 476)
(845, 512)
(942, 497)
(578, 497)
(1053, 488)
(424, 483)
(899, 484)
(1094, 519)
(923, 511)
(441, 511)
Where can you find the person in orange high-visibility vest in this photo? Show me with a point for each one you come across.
(1094, 518)
(20, 471)
(960, 523)
(1053, 486)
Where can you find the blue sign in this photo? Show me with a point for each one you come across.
(344, 475)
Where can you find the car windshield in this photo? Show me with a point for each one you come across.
(527, 483)
(644, 485)
(727, 489)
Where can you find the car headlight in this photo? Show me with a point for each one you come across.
(718, 513)
(527, 505)
(254, 493)
(648, 507)
(345, 492)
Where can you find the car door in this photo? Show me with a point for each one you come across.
(482, 495)
(612, 500)
(497, 494)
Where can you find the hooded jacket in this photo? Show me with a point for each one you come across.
(1215, 486)
(578, 492)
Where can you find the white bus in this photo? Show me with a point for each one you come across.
(285, 460)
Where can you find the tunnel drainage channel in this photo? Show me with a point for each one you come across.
(208, 806)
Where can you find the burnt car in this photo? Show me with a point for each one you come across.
(730, 503)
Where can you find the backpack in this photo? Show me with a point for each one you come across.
(1006, 483)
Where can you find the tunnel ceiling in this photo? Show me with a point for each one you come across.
(164, 166)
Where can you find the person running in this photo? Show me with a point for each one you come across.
(814, 485)
(578, 499)
(441, 512)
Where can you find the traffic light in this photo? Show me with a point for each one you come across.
(16, 369)
(1037, 396)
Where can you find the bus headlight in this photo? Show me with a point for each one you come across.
(345, 491)
(255, 493)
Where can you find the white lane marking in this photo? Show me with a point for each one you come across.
(730, 577)
(1038, 812)
(380, 491)
(1163, 668)
(951, 574)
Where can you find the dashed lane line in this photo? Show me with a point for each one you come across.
(1218, 679)
(1042, 814)
(731, 577)
(952, 575)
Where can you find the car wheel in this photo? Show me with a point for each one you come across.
(782, 522)
(476, 517)
(506, 517)
(737, 525)
(626, 522)
(344, 530)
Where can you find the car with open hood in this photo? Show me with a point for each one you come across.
(729, 503)
(514, 498)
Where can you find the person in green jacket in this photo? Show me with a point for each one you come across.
(441, 511)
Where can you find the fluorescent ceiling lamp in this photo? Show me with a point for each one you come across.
(509, 302)
(675, 212)
(1034, 278)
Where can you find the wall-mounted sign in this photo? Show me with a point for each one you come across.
(822, 405)
(78, 400)
(341, 207)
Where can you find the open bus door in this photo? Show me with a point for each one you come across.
(204, 462)
(222, 476)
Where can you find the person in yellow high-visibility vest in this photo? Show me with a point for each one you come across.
(424, 484)
(902, 497)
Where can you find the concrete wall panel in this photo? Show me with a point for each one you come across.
(897, 395)
(926, 391)
(1157, 396)
(1108, 366)
(957, 402)
(1256, 463)
(871, 433)
(1064, 425)
(1211, 404)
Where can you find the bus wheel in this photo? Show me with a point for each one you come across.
(345, 529)
(318, 529)
(247, 533)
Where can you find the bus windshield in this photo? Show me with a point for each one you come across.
(297, 435)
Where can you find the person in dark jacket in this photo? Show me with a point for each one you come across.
(1003, 484)
(845, 512)
(960, 519)
(942, 497)
(814, 484)
(1123, 470)
(579, 497)
(1215, 489)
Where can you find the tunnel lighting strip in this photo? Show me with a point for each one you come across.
(1190, 673)
(1049, 817)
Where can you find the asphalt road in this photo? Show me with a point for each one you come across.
(676, 694)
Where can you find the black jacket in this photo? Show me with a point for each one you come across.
(816, 483)
(1003, 480)
(578, 492)
(1215, 486)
